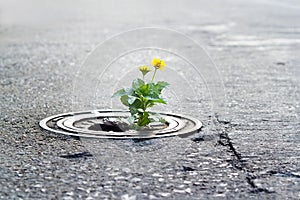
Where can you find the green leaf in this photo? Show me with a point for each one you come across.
(157, 100)
(162, 84)
(159, 86)
(145, 89)
(163, 101)
(131, 99)
(129, 91)
(137, 83)
(122, 92)
(124, 100)
(119, 93)
(133, 108)
(150, 104)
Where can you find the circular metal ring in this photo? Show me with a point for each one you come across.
(79, 123)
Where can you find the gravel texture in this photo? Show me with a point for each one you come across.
(253, 153)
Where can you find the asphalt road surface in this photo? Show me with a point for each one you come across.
(252, 153)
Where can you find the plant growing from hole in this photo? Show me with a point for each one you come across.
(142, 95)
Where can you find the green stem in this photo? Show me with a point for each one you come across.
(154, 75)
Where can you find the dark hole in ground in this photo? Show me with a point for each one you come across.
(199, 139)
(280, 63)
(77, 155)
(187, 169)
(203, 138)
(106, 126)
(119, 127)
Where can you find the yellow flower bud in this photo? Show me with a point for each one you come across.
(144, 69)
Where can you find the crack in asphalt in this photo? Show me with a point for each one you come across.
(283, 174)
(237, 162)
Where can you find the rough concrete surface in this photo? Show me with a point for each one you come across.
(254, 153)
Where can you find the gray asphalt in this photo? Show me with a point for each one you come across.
(252, 153)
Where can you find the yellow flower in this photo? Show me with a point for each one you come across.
(158, 63)
(144, 69)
